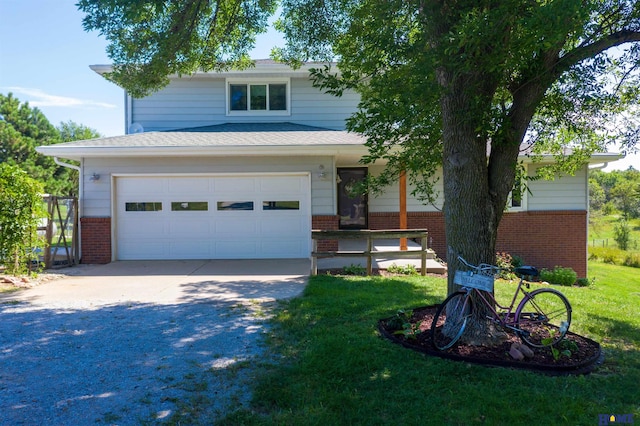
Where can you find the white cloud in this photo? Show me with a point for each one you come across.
(38, 98)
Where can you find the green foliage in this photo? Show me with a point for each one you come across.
(354, 269)
(402, 269)
(559, 275)
(584, 282)
(615, 191)
(149, 39)
(21, 210)
(606, 254)
(22, 130)
(506, 263)
(402, 325)
(563, 348)
(622, 233)
(632, 260)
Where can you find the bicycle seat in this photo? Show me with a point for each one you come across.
(530, 271)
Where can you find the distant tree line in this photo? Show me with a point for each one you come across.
(616, 191)
(22, 129)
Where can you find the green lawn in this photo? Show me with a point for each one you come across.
(601, 232)
(331, 367)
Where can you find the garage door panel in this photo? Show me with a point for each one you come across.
(191, 249)
(281, 227)
(213, 217)
(188, 229)
(143, 186)
(143, 250)
(277, 183)
(188, 186)
(284, 248)
(235, 185)
(143, 228)
(241, 227)
(236, 249)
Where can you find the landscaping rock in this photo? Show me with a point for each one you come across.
(515, 352)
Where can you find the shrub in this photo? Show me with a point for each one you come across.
(20, 211)
(402, 269)
(506, 263)
(584, 282)
(622, 233)
(559, 275)
(633, 260)
(354, 269)
(611, 255)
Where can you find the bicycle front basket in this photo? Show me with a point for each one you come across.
(474, 280)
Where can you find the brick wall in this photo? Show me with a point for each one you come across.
(546, 238)
(543, 239)
(329, 223)
(96, 239)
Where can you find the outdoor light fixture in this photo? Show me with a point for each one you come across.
(322, 174)
(94, 177)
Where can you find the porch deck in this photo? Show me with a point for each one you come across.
(383, 262)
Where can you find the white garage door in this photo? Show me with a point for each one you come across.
(213, 217)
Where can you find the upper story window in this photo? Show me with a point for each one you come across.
(258, 97)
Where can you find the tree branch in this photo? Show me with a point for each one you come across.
(579, 54)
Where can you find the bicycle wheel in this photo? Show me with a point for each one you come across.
(543, 317)
(450, 320)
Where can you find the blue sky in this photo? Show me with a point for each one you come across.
(45, 56)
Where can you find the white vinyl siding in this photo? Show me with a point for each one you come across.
(97, 194)
(563, 193)
(196, 102)
(390, 199)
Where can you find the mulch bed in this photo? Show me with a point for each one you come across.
(583, 360)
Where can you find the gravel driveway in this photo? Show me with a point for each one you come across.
(168, 349)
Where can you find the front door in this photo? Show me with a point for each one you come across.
(352, 208)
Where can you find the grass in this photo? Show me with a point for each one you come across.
(333, 367)
(601, 232)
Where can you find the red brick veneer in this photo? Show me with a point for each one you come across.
(96, 239)
(328, 223)
(542, 238)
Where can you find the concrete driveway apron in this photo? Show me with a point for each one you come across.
(139, 341)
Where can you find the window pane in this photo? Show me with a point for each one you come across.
(235, 205)
(258, 97)
(143, 207)
(182, 206)
(281, 205)
(277, 97)
(516, 194)
(238, 97)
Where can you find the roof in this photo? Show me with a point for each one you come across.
(224, 139)
(231, 139)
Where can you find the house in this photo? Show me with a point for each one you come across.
(243, 164)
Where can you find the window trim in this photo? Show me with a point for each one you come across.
(523, 198)
(261, 81)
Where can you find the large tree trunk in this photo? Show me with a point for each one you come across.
(473, 204)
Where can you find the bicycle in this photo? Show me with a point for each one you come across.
(542, 317)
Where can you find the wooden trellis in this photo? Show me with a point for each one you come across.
(62, 239)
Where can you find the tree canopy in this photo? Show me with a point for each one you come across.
(151, 39)
(22, 129)
(465, 85)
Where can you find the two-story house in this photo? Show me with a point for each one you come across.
(243, 164)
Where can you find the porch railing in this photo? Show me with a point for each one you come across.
(369, 235)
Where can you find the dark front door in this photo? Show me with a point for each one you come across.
(352, 208)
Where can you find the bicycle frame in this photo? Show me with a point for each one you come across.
(506, 316)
